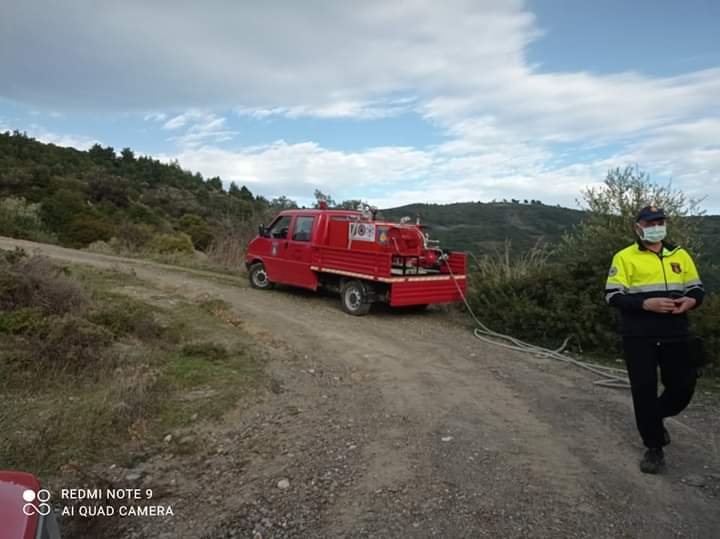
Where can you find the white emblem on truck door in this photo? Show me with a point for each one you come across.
(362, 231)
(274, 248)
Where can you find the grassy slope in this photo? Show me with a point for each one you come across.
(189, 362)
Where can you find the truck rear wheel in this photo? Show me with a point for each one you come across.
(354, 298)
(258, 277)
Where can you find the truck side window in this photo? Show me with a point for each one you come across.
(279, 228)
(303, 228)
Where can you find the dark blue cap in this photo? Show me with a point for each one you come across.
(650, 213)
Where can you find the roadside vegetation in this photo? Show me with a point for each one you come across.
(550, 293)
(119, 203)
(96, 366)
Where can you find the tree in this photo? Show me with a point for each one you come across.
(245, 194)
(320, 196)
(113, 189)
(545, 299)
(127, 156)
(102, 156)
(215, 183)
(282, 203)
(59, 208)
(352, 204)
(611, 211)
(234, 190)
(584, 254)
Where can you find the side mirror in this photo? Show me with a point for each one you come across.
(262, 231)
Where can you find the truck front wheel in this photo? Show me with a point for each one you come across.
(258, 277)
(354, 298)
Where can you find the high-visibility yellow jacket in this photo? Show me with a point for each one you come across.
(637, 273)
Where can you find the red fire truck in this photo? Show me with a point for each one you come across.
(365, 259)
(25, 511)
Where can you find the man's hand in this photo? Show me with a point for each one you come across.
(683, 304)
(661, 305)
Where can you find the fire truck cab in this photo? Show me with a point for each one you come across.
(365, 259)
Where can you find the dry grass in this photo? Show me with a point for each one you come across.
(92, 375)
(502, 266)
(35, 282)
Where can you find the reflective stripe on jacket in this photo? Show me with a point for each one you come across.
(637, 273)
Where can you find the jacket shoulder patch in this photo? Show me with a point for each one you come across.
(613, 271)
(676, 267)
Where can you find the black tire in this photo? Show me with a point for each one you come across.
(258, 277)
(354, 298)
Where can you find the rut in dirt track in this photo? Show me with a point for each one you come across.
(409, 426)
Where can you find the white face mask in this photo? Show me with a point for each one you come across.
(652, 234)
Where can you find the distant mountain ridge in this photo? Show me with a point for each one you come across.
(482, 227)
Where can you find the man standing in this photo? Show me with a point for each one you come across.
(654, 283)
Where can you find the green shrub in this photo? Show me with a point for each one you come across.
(542, 303)
(197, 228)
(20, 219)
(123, 316)
(205, 350)
(72, 344)
(172, 243)
(133, 236)
(85, 228)
(706, 322)
(21, 321)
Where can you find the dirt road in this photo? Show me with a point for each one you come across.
(404, 425)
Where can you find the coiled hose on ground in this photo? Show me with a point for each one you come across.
(611, 377)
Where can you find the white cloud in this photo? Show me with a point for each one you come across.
(390, 176)
(461, 64)
(78, 142)
(254, 54)
(295, 169)
(687, 152)
(155, 117)
(366, 110)
(183, 119)
(200, 127)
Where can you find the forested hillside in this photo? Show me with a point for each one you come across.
(136, 203)
(484, 227)
(76, 198)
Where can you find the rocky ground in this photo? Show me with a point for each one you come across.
(404, 425)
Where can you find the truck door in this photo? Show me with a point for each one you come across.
(298, 254)
(275, 265)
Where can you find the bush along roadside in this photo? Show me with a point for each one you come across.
(545, 297)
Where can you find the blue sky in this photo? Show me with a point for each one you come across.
(414, 101)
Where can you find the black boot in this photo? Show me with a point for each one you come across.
(666, 437)
(653, 461)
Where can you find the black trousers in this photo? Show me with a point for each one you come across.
(643, 356)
